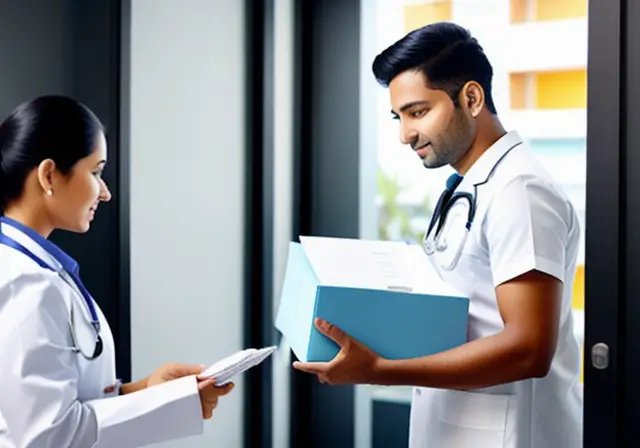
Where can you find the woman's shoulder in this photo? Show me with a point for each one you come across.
(28, 287)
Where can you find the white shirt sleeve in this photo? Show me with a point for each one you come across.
(527, 228)
(39, 379)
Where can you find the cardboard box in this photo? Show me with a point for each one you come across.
(384, 294)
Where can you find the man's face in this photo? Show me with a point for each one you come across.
(436, 129)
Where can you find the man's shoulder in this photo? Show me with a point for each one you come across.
(525, 173)
(523, 187)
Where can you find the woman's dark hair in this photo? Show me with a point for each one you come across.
(446, 54)
(49, 127)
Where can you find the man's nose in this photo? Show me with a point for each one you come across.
(407, 135)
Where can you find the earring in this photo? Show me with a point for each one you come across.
(49, 192)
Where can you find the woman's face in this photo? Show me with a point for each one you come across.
(75, 196)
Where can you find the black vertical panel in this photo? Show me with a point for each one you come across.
(631, 163)
(605, 227)
(327, 183)
(302, 101)
(35, 50)
(123, 86)
(259, 331)
(92, 77)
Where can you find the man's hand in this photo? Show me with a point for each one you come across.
(354, 363)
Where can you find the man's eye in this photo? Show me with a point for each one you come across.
(418, 113)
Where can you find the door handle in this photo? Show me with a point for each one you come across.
(600, 356)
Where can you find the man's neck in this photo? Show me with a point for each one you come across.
(490, 130)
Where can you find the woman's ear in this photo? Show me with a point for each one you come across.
(46, 175)
(473, 98)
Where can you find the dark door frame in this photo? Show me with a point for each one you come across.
(326, 182)
(607, 236)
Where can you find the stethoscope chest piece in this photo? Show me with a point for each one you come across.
(448, 242)
(84, 329)
(99, 347)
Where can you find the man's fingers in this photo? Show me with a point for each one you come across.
(311, 367)
(332, 332)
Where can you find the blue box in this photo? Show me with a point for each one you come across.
(393, 323)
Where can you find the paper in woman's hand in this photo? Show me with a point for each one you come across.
(225, 369)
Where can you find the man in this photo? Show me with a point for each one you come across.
(515, 383)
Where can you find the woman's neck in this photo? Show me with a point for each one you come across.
(33, 217)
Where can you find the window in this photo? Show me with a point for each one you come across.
(565, 89)
(424, 12)
(547, 10)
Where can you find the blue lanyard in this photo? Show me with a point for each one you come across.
(9, 242)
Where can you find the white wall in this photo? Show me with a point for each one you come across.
(283, 119)
(187, 197)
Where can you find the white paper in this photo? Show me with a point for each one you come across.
(354, 263)
(225, 369)
(426, 279)
(357, 263)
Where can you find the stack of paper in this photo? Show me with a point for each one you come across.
(225, 369)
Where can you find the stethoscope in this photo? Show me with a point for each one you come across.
(75, 283)
(437, 242)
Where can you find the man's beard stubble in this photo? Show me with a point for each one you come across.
(452, 144)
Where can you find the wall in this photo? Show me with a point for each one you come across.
(283, 136)
(187, 88)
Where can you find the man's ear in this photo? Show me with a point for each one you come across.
(473, 98)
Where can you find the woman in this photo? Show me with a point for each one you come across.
(57, 378)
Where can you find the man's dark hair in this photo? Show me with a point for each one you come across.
(445, 53)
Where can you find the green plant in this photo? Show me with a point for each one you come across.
(389, 189)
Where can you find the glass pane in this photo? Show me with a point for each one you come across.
(538, 49)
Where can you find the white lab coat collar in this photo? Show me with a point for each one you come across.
(30, 244)
(482, 168)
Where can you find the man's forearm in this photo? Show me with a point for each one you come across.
(133, 387)
(481, 363)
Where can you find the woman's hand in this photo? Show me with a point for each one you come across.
(209, 395)
(167, 372)
(172, 371)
